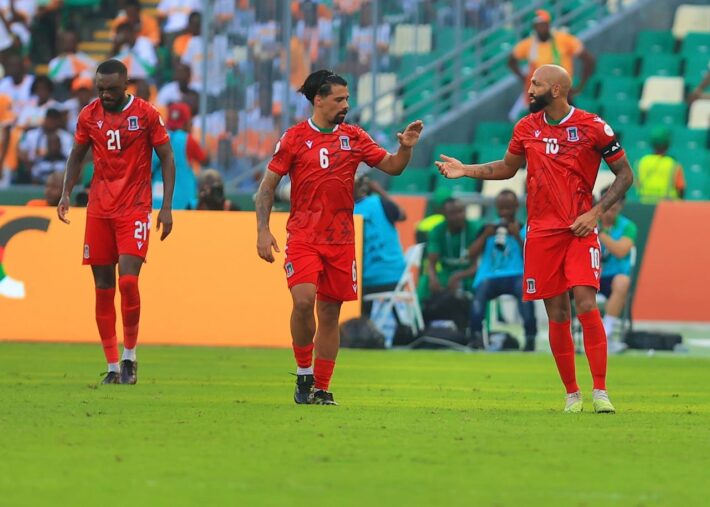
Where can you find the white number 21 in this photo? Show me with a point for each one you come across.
(114, 140)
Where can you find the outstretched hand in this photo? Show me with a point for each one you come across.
(410, 136)
(450, 167)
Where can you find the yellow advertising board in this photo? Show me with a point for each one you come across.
(203, 285)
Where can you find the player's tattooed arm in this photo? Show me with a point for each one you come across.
(622, 183)
(71, 176)
(264, 202)
(497, 170)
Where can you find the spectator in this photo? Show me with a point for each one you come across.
(35, 143)
(218, 61)
(51, 161)
(82, 93)
(617, 236)
(210, 188)
(315, 30)
(360, 46)
(175, 13)
(448, 247)
(659, 176)
(193, 29)
(548, 46)
(70, 63)
(7, 120)
(17, 16)
(135, 52)
(41, 100)
(52, 190)
(188, 155)
(500, 271)
(144, 24)
(175, 91)
(17, 83)
(383, 259)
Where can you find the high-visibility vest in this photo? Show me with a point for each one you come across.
(656, 178)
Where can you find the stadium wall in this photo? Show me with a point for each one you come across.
(204, 285)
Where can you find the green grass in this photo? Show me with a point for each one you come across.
(216, 426)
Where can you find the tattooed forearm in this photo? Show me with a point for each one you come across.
(624, 179)
(265, 199)
(497, 170)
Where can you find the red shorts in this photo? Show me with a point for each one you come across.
(107, 238)
(555, 264)
(331, 268)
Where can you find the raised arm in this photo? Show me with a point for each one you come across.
(167, 165)
(71, 176)
(264, 202)
(497, 170)
(395, 164)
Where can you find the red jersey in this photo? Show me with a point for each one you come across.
(563, 162)
(322, 168)
(122, 143)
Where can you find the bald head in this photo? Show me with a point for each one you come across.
(550, 84)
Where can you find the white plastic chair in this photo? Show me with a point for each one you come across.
(402, 299)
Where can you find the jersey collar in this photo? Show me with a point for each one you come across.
(569, 115)
(128, 104)
(315, 127)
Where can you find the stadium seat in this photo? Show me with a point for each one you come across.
(666, 114)
(696, 66)
(461, 151)
(413, 180)
(659, 64)
(616, 64)
(587, 104)
(492, 188)
(649, 42)
(661, 89)
(619, 89)
(637, 139)
(699, 117)
(457, 186)
(691, 18)
(696, 44)
(621, 114)
(689, 139)
(697, 176)
(490, 153)
(493, 132)
(411, 39)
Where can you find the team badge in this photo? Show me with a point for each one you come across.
(572, 134)
(133, 123)
(289, 270)
(345, 143)
(530, 282)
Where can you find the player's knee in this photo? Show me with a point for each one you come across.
(585, 305)
(303, 304)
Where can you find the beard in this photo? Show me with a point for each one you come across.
(339, 118)
(541, 101)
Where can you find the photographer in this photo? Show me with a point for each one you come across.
(210, 192)
(500, 247)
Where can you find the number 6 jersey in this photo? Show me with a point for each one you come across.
(562, 161)
(122, 143)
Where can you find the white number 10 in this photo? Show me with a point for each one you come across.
(594, 254)
(114, 140)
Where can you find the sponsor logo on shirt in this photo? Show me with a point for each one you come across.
(309, 144)
(100, 123)
(537, 133)
(355, 288)
(530, 283)
(133, 123)
(345, 143)
(140, 245)
(572, 134)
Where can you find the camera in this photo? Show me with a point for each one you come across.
(501, 234)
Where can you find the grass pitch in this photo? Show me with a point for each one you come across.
(216, 426)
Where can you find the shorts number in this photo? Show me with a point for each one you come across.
(141, 232)
(324, 162)
(354, 272)
(113, 142)
(594, 254)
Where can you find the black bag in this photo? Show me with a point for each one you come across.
(441, 337)
(361, 333)
(652, 340)
(448, 306)
(502, 340)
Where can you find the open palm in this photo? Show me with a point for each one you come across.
(450, 167)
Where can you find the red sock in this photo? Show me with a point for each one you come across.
(106, 322)
(304, 355)
(322, 372)
(595, 346)
(563, 350)
(130, 309)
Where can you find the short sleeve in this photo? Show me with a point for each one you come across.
(516, 146)
(606, 142)
(283, 155)
(81, 135)
(521, 50)
(630, 231)
(372, 153)
(158, 134)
